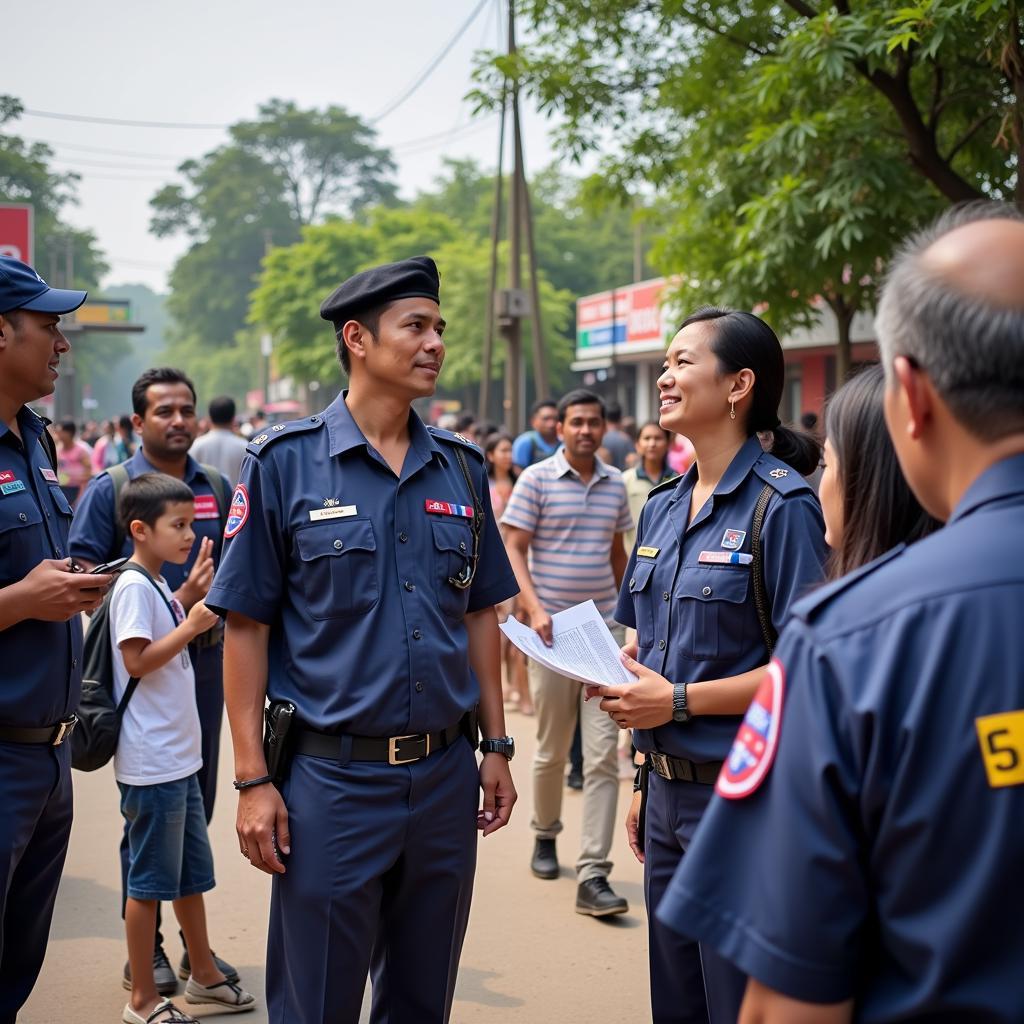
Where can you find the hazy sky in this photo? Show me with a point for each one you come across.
(213, 62)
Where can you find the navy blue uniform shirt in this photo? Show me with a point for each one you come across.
(93, 532)
(695, 617)
(349, 565)
(42, 661)
(881, 857)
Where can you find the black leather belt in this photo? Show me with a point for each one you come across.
(680, 769)
(55, 735)
(393, 749)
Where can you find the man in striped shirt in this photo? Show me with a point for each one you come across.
(564, 522)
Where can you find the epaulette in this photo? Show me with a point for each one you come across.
(665, 485)
(807, 607)
(453, 438)
(783, 478)
(262, 441)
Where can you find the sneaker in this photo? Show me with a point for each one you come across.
(544, 863)
(163, 974)
(596, 898)
(165, 1012)
(185, 968)
(225, 995)
(574, 780)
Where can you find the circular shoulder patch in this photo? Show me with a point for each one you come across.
(753, 750)
(238, 512)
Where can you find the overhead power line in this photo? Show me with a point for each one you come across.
(126, 123)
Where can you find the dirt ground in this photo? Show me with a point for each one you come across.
(528, 958)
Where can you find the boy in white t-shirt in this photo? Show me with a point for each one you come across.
(158, 752)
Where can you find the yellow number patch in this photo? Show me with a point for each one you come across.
(1002, 747)
(647, 552)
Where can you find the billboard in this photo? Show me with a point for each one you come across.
(16, 231)
(629, 319)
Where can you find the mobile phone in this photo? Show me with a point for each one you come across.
(116, 565)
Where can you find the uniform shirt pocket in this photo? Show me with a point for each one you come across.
(714, 612)
(643, 605)
(337, 567)
(22, 537)
(453, 552)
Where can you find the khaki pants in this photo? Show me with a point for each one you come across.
(557, 700)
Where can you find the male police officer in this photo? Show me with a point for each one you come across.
(164, 415)
(874, 870)
(40, 631)
(359, 581)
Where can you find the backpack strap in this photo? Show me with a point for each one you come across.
(761, 601)
(118, 477)
(46, 440)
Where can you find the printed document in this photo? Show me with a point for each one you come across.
(583, 647)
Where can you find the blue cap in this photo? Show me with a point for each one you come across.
(22, 288)
(415, 277)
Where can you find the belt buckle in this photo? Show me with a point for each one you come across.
(64, 729)
(660, 764)
(393, 741)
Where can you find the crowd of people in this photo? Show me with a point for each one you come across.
(827, 712)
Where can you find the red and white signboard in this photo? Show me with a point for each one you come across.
(630, 316)
(16, 231)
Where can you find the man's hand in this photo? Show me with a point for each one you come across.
(499, 793)
(645, 704)
(200, 618)
(262, 819)
(633, 827)
(540, 623)
(197, 583)
(51, 592)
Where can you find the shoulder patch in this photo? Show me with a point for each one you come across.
(452, 438)
(807, 607)
(754, 748)
(783, 478)
(238, 512)
(263, 440)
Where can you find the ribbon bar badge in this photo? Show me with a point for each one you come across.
(724, 558)
(447, 508)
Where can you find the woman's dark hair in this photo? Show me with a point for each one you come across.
(492, 442)
(742, 341)
(879, 509)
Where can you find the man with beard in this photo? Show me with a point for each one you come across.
(164, 405)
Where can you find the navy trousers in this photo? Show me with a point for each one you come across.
(208, 664)
(35, 794)
(690, 984)
(379, 880)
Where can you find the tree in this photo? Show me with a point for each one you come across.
(789, 145)
(275, 175)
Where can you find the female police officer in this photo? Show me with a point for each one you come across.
(705, 613)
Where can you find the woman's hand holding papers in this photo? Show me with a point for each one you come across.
(645, 704)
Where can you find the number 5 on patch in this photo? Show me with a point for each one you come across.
(1002, 747)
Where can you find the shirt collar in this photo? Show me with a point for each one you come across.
(143, 465)
(344, 434)
(667, 473)
(1001, 480)
(28, 423)
(738, 471)
(562, 465)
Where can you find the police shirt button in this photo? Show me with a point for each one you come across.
(410, 586)
(338, 545)
(661, 645)
(74, 663)
(23, 517)
(632, 583)
(419, 687)
(403, 536)
(706, 591)
(665, 595)
(314, 419)
(462, 545)
(417, 634)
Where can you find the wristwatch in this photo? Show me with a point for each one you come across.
(680, 710)
(502, 745)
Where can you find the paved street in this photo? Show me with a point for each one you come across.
(528, 958)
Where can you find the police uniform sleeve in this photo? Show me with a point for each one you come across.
(252, 574)
(494, 580)
(774, 880)
(793, 542)
(93, 527)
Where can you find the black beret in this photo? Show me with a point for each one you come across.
(416, 277)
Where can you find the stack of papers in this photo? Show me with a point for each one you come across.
(583, 647)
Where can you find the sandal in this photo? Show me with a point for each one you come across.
(226, 995)
(165, 1012)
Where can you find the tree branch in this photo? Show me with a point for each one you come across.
(723, 33)
(968, 135)
(801, 8)
(936, 107)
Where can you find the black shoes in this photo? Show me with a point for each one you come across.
(163, 974)
(545, 861)
(595, 898)
(185, 968)
(574, 780)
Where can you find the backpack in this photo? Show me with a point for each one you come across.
(94, 738)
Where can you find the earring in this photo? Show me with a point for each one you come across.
(732, 409)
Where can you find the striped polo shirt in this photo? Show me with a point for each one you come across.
(573, 524)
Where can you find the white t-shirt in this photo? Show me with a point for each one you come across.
(160, 737)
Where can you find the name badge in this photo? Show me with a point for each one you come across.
(48, 474)
(206, 507)
(724, 558)
(11, 487)
(336, 512)
(647, 552)
(447, 508)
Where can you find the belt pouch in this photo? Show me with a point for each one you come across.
(277, 739)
